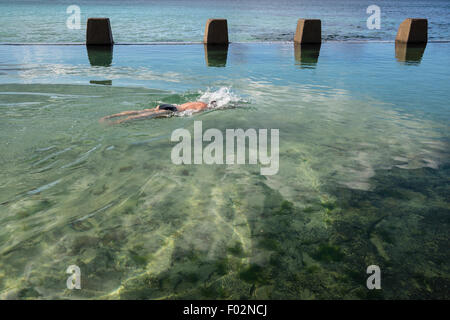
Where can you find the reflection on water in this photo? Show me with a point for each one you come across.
(306, 55)
(216, 55)
(100, 56)
(102, 82)
(409, 53)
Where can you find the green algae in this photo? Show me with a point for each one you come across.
(269, 244)
(138, 259)
(285, 208)
(236, 250)
(329, 253)
(222, 266)
(254, 274)
(312, 269)
(214, 292)
(35, 208)
(309, 209)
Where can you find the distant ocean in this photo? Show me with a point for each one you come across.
(31, 21)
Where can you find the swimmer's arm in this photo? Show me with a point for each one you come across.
(143, 115)
(127, 113)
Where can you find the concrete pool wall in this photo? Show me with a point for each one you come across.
(411, 30)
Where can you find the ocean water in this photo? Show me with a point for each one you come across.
(23, 21)
(363, 175)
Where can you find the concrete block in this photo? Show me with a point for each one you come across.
(308, 31)
(216, 31)
(98, 32)
(413, 31)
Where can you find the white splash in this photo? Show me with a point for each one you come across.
(223, 97)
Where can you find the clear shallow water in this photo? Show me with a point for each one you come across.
(251, 20)
(363, 179)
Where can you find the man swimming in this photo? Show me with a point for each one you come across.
(161, 111)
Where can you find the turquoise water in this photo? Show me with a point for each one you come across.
(363, 176)
(184, 21)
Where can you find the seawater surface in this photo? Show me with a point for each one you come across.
(363, 175)
(184, 20)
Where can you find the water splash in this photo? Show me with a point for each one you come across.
(223, 97)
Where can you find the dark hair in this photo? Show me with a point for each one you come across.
(213, 103)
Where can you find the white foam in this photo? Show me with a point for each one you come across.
(223, 96)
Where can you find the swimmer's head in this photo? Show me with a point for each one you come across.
(213, 104)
